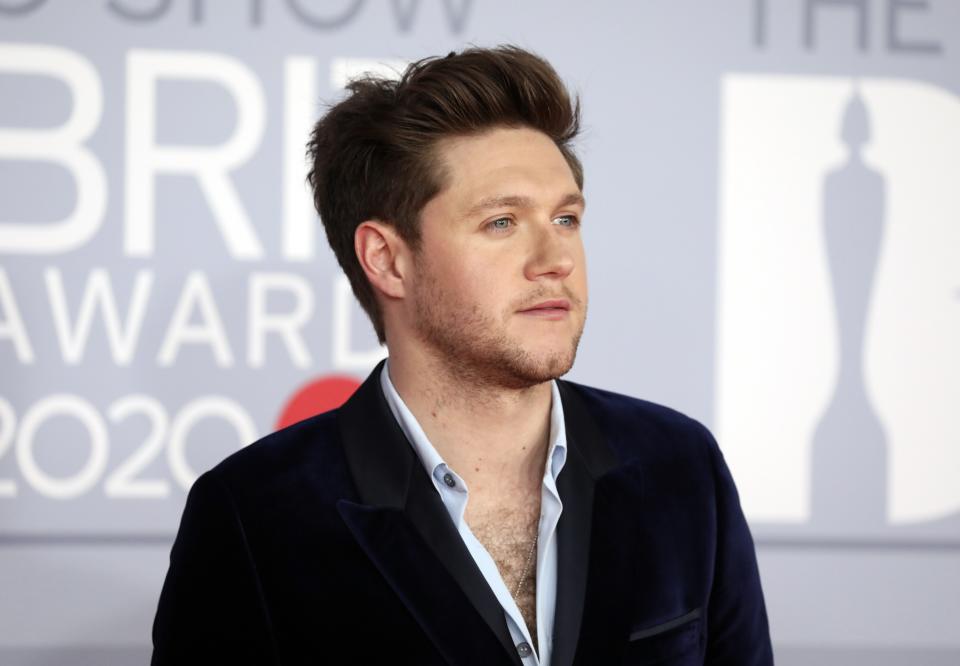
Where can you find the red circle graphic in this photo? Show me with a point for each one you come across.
(315, 397)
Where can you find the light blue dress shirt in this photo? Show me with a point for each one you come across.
(454, 494)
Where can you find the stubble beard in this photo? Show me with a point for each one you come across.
(474, 347)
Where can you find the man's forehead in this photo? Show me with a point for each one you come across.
(507, 167)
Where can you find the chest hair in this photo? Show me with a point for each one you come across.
(508, 531)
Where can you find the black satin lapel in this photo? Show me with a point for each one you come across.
(422, 582)
(388, 475)
(427, 513)
(621, 570)
(377, 451)
(588, 457)
(573, 550)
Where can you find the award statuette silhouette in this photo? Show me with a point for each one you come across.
(849, 446)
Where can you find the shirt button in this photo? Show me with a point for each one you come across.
(449, 480)
(524, 649)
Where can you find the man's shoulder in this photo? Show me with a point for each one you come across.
(619, 405)
(284, 458)
(636, 428)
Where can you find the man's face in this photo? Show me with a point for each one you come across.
(500, 286)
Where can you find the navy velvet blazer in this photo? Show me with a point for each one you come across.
(325, 543)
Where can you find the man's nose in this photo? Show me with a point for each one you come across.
(551, 254)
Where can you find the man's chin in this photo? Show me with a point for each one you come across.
(536, 367)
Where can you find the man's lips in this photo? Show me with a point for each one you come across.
(552, 309)
(555, 304)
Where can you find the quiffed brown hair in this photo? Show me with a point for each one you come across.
(373, 153)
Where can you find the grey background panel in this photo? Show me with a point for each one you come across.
(857, 521)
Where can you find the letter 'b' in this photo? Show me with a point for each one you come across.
(62, 145)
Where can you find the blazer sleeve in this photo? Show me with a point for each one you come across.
(211, 608)
(737, 630)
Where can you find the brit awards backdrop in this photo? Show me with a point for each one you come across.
(773, 239)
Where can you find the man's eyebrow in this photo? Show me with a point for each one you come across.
(519, 201)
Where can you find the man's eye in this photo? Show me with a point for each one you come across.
(500, 224)
(567, 220)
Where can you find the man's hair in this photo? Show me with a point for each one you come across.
(373, 154)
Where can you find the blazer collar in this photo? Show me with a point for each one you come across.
(588, 459)
(389, 478)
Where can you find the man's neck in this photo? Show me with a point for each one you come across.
(494, 437)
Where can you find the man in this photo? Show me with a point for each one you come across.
(465, 506)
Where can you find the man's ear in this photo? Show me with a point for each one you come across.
(382, 255)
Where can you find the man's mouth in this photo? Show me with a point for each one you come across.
(553, 309)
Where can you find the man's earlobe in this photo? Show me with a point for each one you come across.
(379, 249)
